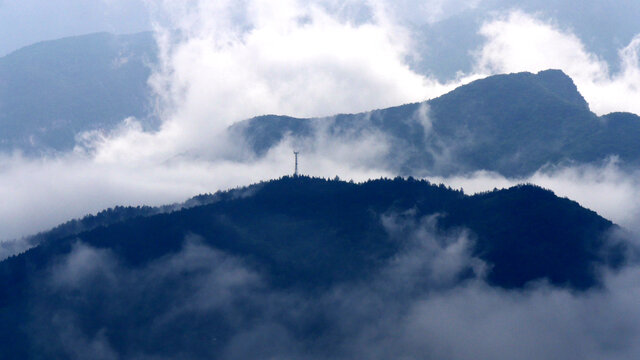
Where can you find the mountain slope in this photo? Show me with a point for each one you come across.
(512, 124)
(103, 218)
(289, 236)
(53, 90)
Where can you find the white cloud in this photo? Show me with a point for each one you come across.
(290, 57)
(427, 257)
(41, 193)
(609, 190)
(519, 41)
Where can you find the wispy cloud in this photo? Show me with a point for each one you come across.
(414, 306)
(607, 189)
(517, 41)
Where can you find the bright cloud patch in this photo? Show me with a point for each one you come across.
(521, 42)
(607, 189)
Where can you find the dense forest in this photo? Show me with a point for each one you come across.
(300, 236)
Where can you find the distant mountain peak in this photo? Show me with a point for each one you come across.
(557, 86)
(560, 84)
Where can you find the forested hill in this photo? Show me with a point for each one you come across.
(298, 235)
(328, 219)
(512, 124)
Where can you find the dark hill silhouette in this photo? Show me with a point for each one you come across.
(307, 235)
(512, 124)
(106, 218)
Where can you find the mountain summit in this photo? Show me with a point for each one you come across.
(559, 83)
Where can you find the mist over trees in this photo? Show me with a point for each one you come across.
(287, 257)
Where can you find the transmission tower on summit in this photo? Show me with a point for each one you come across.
(295, 173)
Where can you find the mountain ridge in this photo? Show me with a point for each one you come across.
(292, 194)
(513, 124)
(54, 90)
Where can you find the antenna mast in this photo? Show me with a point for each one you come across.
(295, 153)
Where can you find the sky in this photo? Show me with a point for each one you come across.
(225, 61)
(447, 28)
(27, 22)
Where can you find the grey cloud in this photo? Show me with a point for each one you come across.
(84, 265)
(429, 259)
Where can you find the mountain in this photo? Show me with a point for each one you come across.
(512, 124)
(186, 283)
(53, 90)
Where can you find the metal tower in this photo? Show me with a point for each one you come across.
(295, 153)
